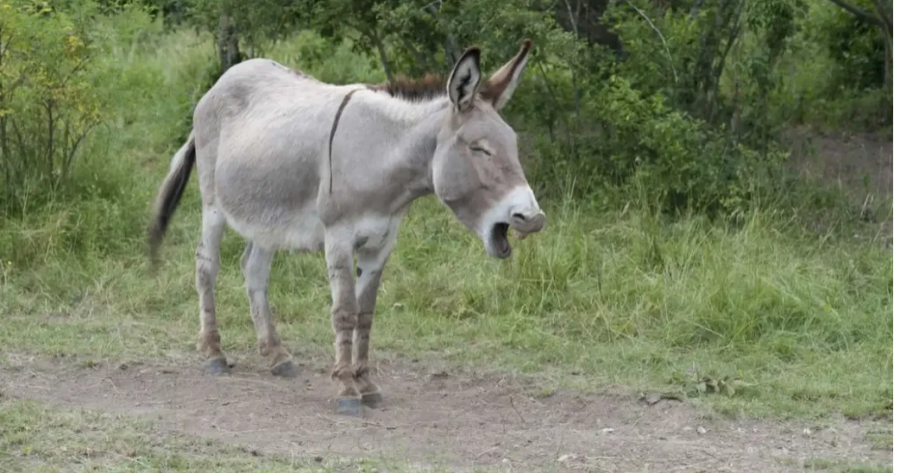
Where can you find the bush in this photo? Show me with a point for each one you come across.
(59, 89)
(47, 102)
(141, 83)
(684, 122)
(833, 74)
(678, 162)
(856, 49)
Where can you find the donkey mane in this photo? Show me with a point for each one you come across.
(434, 86)
(431, 86)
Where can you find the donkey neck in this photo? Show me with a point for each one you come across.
(414, 127)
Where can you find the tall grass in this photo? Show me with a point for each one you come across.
(610, 294)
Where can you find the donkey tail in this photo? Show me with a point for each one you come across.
(170, 193)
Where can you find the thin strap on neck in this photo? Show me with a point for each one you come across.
(334, 126)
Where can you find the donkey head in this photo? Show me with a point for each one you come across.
(476, 169)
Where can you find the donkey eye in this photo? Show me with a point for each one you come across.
(479, 149)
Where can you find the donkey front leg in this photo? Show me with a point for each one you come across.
(370, 264)
(344, 310)
(256, 264)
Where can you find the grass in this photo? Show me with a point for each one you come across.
(603, 297)
(598, 299)
(839, 466)
(882, 439)
(36, 438)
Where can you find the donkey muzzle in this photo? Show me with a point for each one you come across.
(524, 224)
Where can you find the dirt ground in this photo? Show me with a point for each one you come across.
(434, 416)
(861, 162)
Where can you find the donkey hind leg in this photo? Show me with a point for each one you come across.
(368, 277)
(256, 264)
(207, 259)
(344, 309)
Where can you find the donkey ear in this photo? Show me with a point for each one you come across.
(500, 87)
(464, 80)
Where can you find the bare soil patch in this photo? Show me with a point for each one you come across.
(442, 417)
(861, 162)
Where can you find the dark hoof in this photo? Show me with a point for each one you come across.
(348, 407)
(371, 400)
(286, 369)
(217, 366)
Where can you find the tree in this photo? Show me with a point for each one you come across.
(48, 104)
(877, 13)
(337, 18)
(233, 22)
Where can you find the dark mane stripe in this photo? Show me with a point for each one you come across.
(429, 87)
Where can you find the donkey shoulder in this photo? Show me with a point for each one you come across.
(264, 68)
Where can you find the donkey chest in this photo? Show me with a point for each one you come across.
(372, 232)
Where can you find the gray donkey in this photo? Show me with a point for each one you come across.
(291, 163)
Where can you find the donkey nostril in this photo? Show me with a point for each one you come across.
(518, 217)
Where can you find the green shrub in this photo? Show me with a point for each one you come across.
(680, 162)
(142, 83)
(833, 74)
(856, 48)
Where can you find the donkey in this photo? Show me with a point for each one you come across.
(291, 163)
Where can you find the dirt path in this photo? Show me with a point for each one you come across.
(862, 162)
(432, 416)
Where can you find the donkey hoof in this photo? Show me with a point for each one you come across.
(286, 369)
(348, 406)
(372, 400)
(217, 366)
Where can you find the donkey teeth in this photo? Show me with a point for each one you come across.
(519, 235)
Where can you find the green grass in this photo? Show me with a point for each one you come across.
(614, 298)
(36, 438)
(881, 439)
(840, 466)
(603, 297)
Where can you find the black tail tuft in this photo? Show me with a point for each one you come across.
(167, 199)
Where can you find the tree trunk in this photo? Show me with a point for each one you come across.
(559, 110)
(227, 43)
(880, 18)
(51, 122)
(5, 158)
(451, 51)
(884, 8)
(417, 55)
(451, 47)
(860, 13)
(713, 99)
(592, 26)
(888, 61)
(695, 10)
(574, 17)
(383, 55)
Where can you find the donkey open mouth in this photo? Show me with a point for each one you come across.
(499, 239)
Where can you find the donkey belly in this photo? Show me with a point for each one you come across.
(270, 198)
(281, 229)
